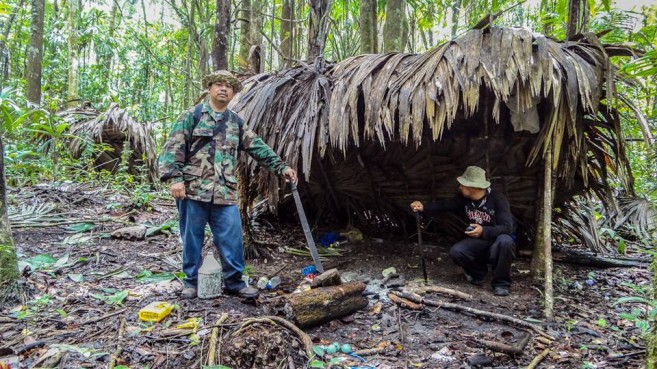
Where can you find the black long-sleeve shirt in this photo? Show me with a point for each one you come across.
(492, 212)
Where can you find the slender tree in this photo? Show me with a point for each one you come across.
(395, 29)
(287, 15)
(245, 32)
(73, 74)
(35, 53)
(221, 32)
(8, 261)
(368, 32)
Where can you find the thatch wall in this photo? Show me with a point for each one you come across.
(374, 132)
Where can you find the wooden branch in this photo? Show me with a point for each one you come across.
(119, 347)
(372, 351)
(404, 302)
(443, 290)
(94, 320)
(537, 360)
(305, 339)
(213, 339)
(450, 306)
(516, 349)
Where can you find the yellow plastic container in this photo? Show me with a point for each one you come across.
(155, 311)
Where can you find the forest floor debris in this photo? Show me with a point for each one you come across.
(85, 290)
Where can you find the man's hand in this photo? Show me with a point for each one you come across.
(417, 207)
(178, 190)
(476, 231)
(291, 175)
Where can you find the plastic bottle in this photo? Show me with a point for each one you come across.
(262, 283)
(273, 283)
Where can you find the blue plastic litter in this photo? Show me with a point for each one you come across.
(329, 238)
(310, 269)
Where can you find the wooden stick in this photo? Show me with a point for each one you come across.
(537, 360)
(94, 320)
(305, 338)
(443, 290)
(450, 306)
(119, 347)
(372, 351)
(516, 349)
(404, 302)
(213, 339)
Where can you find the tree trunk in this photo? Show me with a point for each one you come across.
(368, 33)
(287, 31)
(318, 17)
(256, 51)
(245, 44)
(35, 53)
(8, 260)
(221, 32)
(395, 29)
(4, 52)
(541, 265)
(107, 58)
(578, 15)
(456, 13)
(73, 75)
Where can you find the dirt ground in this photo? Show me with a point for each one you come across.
(82, 303)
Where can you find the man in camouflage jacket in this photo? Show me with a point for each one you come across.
(198, 161)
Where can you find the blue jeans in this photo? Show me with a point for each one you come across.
(226, 227)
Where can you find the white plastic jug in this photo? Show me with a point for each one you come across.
(209, 278)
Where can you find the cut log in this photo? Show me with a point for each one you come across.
(323, 304)
(134, 233)
(330, 277)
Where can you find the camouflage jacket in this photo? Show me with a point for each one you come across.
(209, 172)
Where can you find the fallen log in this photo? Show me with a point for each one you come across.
(456, 307)
(323, 304)
(516, 349)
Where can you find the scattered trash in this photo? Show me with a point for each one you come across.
(389, 272)
(262, 283)
(376, 327)
(353, 235)
(329, 238)
(273, 283)
(310, 269)
(155, 311)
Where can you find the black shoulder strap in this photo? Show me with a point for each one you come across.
(198, 109)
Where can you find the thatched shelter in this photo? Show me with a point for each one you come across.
(374, 132)
(120, 132)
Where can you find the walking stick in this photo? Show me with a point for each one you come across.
(421, 246)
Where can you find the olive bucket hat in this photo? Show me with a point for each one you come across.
(474, 177)
(222, 76)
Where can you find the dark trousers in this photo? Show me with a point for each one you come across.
(474, 254)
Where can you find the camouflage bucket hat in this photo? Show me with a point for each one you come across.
(222, 76)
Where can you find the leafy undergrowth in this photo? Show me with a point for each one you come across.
(85, 289)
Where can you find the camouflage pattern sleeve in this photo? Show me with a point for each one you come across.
(172, 159)
(260, 151)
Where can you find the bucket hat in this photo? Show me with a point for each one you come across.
(474, 177)
(222, 76)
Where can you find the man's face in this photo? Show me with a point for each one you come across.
(467, 192)
(221, 92)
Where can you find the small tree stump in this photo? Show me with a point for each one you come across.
(330, 277)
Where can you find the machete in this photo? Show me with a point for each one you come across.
(306, 229)
(421, 246)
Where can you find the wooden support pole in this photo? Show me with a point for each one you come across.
(546, 236)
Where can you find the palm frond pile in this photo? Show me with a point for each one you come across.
(120, 132)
